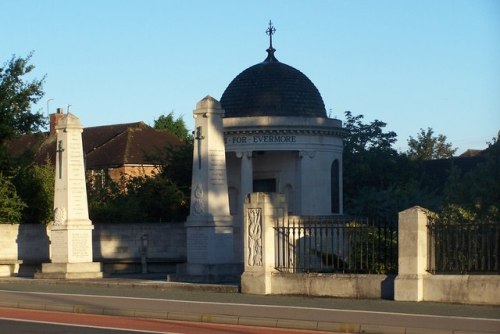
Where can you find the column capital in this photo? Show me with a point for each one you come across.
(310, 154)
(247, 154)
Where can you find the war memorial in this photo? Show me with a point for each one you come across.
(266, 208)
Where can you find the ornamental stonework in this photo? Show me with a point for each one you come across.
(59, 216)
(255, 237)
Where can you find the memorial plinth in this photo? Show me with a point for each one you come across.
(209, 227)
(71, 230)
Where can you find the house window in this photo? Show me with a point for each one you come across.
(99, 178)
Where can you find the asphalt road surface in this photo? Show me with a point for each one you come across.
(159, 301)
(20, 321)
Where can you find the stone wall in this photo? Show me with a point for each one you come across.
(120, 247)
(333, 285)
(413, 282)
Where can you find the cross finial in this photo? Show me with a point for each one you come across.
(270, 51)
(270, 31)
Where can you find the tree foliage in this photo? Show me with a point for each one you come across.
(366, 137)
(35, 185)
(378, 181)
(427, 146)
(475, 195)
(160, 198)
(16, 98)
(177, 127)
(11, 205)
(27, 189)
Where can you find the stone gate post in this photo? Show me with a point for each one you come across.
(412, 255)
(261, 212)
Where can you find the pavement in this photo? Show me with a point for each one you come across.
(151, 296)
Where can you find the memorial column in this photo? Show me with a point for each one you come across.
(209, 226)
(71, 230)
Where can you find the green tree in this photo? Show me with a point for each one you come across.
(366, 137)
(35, 185)
(178, 166)
(177, 127)
(25, 192)
(162, 197)
(427, 146)
(378, 181)
(16, 98)
(11, 205)
(475, 195)
(368, 159)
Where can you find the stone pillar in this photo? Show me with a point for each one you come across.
(71, 230)
(246, 175)
(209, 226)
(261, 212)
(412, 255)
(245, 188)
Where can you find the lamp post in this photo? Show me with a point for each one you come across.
(48, 109)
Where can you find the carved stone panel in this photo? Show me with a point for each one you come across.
(59, 216)
(198, 200)
(255, 237)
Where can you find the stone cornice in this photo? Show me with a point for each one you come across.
(284, 125)
(340, 132)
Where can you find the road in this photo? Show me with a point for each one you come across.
(235, 313)
(21, 321)
(336, 315)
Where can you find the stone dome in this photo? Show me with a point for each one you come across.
(272, 88)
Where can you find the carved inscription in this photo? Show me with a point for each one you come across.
(216, 167)
(76, 184)
(254, 237)
(81, 244)
(198, 245)
(260, 139)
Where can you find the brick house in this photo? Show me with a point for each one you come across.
(116, 151)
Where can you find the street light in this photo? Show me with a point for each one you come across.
(48, 109)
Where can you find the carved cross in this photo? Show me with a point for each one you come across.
(60, 150)
(199, 138)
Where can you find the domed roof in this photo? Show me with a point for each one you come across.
(272, 88)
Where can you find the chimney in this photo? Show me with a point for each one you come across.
(54, 119)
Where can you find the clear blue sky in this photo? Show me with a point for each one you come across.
(411, 64)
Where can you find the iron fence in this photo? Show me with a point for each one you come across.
(336, 244)
(463, 248)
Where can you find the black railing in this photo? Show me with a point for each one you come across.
(463, 248)
(336, 244)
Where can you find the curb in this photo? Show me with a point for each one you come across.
(205, 318)
(335, 327)
(108, 283)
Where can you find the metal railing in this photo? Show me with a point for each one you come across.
(336, 244)
(463, 248)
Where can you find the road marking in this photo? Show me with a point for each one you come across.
(86, 326)
(252, 305)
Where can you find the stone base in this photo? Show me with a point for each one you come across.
(207, 273)
(256, 282)
(409, 288)
(85, 270)
(9, 267)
